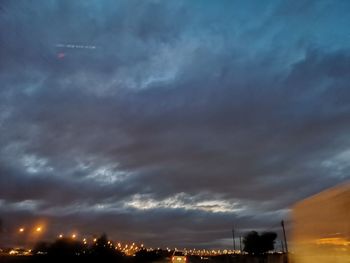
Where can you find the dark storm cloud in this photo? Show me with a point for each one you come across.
(185, 119)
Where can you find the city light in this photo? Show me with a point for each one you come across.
(131, 248)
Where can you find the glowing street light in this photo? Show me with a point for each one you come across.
(21, 230)
(60, 236)
(74, 236)
(38, 229)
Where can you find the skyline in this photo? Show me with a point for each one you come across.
(169, 122)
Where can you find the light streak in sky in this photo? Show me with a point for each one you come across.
(73, 46)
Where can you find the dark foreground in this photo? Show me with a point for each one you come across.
(276, 258)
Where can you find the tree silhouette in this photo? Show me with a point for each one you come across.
(267, 241)
(41, 248)
(66, 247)
(104, 249)
(256, 244)
(70, 249)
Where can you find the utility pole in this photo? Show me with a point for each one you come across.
(284, 235)
(282, 246)
(240, 244)
(233, 240)
(1, 232)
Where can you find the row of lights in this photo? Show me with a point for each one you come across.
(37, 229)
(134, 248)
(73, 236)
(119, 246)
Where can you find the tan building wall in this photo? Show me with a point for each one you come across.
(321, 227)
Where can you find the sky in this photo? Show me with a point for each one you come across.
(169, 122)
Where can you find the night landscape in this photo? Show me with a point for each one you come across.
(175, 131)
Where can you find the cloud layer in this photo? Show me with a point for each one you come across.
(185, 119)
